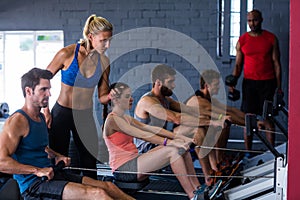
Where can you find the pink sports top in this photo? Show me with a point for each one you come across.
(121, 149)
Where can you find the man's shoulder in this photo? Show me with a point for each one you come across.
(269, 34)
(191, 100)
(16, 121)
(198, 94)
(149, 98)
(243, 37)
(146, 100)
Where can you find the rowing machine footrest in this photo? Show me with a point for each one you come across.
(131, 186)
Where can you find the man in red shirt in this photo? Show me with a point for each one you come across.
(258, 51)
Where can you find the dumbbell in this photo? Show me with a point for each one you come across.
(231, 81)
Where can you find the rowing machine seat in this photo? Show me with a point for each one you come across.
(131, 187)
(9, 189)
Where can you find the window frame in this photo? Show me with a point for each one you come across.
(224, 47)
(39, 56)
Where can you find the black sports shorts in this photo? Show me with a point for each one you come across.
(52, 189)
(130, 166)
(255, 92)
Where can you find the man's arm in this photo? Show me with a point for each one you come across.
(204, 107)
(14, 129)
(239, 60)
(237, 116)
(151, 106)
(277, 64)
(57, 156)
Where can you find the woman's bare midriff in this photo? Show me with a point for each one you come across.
(75, 98)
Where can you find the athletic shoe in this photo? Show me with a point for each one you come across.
(213, 190)
(207, 192)
(201, 193)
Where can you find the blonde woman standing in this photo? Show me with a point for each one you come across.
(83, 66)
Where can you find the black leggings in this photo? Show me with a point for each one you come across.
(84, 131)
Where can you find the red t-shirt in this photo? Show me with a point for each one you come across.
(257, 50)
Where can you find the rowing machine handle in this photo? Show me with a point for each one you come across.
(58, 167)
(227, 122)
(181, 151)
(192, 145)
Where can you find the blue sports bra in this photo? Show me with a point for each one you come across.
(73, 77)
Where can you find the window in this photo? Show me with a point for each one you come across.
(220, 37)
(19, 52)
(232, 29)
(235, 18)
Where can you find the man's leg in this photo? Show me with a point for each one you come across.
(212, 137)
(222, 143)
(60, 188)
(190, 169)
(77, 190)
(250, 104)
(248, 140)
(111, 189)
(270, 126)
(267, 93)
(203, 155)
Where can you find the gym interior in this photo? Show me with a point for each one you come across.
(189, 35)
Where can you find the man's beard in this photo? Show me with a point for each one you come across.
(166, 92)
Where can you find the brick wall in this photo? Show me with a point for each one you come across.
(188, 39)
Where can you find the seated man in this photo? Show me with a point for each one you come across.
(24, 151)
(203, 99)
(157, 108)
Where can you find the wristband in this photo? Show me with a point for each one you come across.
(165, 141)
(220, 117)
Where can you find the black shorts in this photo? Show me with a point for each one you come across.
(52, 189)
(130, 166)
(255, 92)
